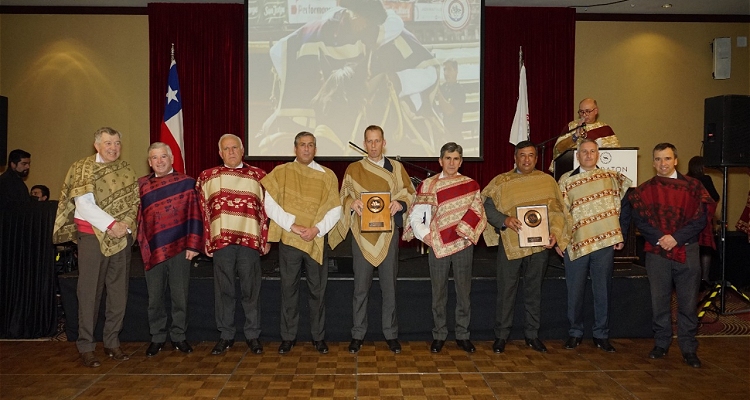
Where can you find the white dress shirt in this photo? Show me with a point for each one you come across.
(286, 220)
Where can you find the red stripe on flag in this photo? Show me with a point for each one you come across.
(165, 135)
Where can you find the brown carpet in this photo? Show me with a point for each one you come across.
(713, 323)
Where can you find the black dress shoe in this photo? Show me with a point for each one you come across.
(355, 345)
(436, 346)
(286, 346)
(657, 352)
(182, 346)
(498, 346)
(154, 349)
(604, 345)
(320, 346)
(221, 346)
(536, 344)
(466, 345)
(692, 360)
(255, 346)
(394, 345)
(573, 342)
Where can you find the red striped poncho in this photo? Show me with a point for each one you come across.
(231, 201)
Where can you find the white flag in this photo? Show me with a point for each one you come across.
(520, 130)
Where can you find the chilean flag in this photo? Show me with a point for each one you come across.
(171, 128)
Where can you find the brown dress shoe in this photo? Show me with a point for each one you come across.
(89, 359)
(116, 354)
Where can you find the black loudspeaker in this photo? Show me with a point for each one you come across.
(726, 135)
(3, 131)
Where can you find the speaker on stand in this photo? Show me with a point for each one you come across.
(726, 143)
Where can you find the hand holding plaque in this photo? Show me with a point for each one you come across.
(535, 226)
(376, 214)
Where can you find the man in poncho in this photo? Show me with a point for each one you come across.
(371, 250)
(598, 220)
(98, 208)
(235, 233)
(522, 186)
(303, 204)
(671, 211)
(449, 217)
(587, 126)
(170, 234)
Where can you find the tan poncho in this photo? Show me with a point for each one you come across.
(306, 193)
(593, 199)
(511, 190)
(364, 176)
(115, 190)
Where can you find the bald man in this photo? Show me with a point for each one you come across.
(586, 126)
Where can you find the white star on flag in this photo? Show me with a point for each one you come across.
(171, 95)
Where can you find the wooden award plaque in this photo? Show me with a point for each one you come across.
(534, 226)
(376, 212)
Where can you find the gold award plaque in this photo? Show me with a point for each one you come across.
(535, 226)
(376, 213)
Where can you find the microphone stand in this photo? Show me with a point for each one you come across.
(543, 144)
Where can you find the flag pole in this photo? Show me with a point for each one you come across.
(520, 57)
(171, 54)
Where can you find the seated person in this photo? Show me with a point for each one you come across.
(41, 192)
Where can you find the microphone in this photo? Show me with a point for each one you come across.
(582, 124)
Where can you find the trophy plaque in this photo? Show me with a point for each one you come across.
(376, 212)
(534, 226)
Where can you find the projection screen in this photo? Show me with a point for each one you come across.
(334, 67)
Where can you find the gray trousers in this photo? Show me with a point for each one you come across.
(509, 272)
(439, 271)
(387, 273)
(95, 273)
(229, 262)
(662, 275)
(175, 274)
(600, 264)
(291, 260)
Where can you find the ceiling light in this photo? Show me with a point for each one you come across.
(667, 5)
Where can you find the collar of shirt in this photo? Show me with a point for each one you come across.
(99, 158)
(313, 165)
(674, 175)
(170, 171)
(442, 174)
(239, 166)
(379, 163)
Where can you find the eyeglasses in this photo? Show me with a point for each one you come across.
(586, 112)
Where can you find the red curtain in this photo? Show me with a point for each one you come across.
(211, 50)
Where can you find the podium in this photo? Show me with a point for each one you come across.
(621, 159)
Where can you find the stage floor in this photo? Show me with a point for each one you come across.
(630, 314)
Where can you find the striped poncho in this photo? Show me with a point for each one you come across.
(231, 202)
(169, 218)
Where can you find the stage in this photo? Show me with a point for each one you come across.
(630, 314)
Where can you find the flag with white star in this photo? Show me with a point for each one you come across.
(171, 128)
